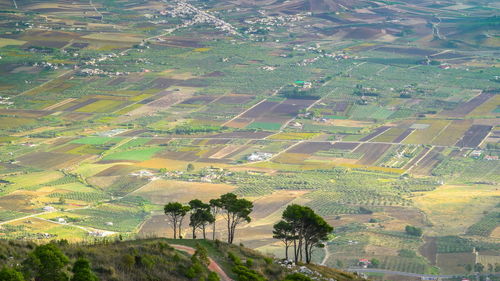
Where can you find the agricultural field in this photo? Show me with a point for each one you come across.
(376, 114)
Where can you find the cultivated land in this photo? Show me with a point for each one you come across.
(376, 114)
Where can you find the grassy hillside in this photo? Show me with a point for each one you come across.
(157, 259)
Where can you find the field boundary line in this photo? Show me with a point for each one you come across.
(95, 9)
(45, 83)
(307, 108)
(440, 132)
(418, 161)
(26, 217)
(382, 70)
(61, 103)
(239, 115)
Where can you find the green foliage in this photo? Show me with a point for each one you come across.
(303, 226)
(236, 211)
(176, 213)
(243, 273)
(193, 129)
(10, 274)
(234, 258)
(201, 254)
(297, 277)
(407, 253)
(375, 263)
(212, 276)
(486, 225)
(47, 263)
(82, 271)
(413, 231)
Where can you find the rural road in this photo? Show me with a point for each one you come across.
(213, 266)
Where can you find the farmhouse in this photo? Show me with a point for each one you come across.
(49, 209)
(259, 156)
(364, 263)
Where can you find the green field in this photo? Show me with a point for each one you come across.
(134, 155)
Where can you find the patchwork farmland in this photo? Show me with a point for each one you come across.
(110, 110)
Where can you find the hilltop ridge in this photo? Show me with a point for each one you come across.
(168, 259)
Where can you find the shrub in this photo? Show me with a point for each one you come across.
(297, 277)
(413, 231)
(212, 276)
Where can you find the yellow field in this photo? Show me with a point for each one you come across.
(127, 109)
(202, 49)
(292, 136)
(485, 109)
(33, 179)
(100, 106)
(115, 37)
(389, 135)
(140, 97)
(452, 133)
(496, 233)
(163, 191)
(446, 206)
(68, 232)
(7, 42)
(425, 136)
(13, 122)
(291, 158)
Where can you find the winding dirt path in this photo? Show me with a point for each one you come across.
(213, 266)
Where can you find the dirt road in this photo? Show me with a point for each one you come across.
(213, 266)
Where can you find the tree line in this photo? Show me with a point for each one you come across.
(300, 228)
(234, 210)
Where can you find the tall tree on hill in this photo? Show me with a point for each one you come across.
(215, 208)
(176, 213)
(316, 231)
(46, 263)
(200, 216)
(235, 211)
(304, 228)
(284, 232)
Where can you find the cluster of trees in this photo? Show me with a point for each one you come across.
(303, 229)
(48, 263)
(194, 129)
(479, 267)
(293, 92)
(413, 231)
(234, 210)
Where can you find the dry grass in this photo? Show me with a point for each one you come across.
(446, 206)
(291, 158)
(452, 133)
(425, 136)
(292, 136)
(485, 109)
(8, 42)
(114, 37)
(163, 191)
(100, 106)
